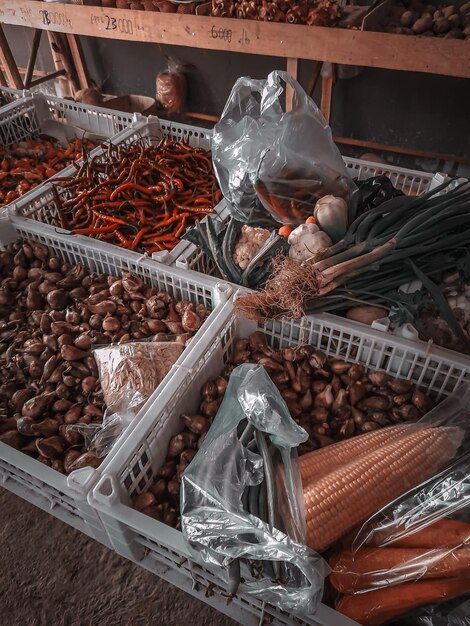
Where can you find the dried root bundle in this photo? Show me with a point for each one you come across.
(286, 291)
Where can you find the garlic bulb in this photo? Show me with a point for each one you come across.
(332, 215)
(306, 240)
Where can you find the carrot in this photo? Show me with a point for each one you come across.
(440, 534)
(285, 231)
(376, 607)
(311, 220)
(375, 567)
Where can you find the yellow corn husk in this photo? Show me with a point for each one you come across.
(335, 503)
(316, 464)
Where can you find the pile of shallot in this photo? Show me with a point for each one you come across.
(52, 315)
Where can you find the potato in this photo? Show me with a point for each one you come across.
(430, 8)
(427, 33)
(465, 8)
(448, 11)
(454, 20)
(408, 18)
(466, 31)
(396, 13)
(440, 26)
(455, 33)
(417, 6)
(422, 25)
(366, 314)
(437, 15)
(465, 20)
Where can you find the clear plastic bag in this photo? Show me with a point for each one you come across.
(100, 438)
(266, 157)
(130, 372)
(416, 550)
(217, 492)
(171, 89)
(453, 613)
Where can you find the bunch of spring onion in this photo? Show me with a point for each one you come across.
(402, 239)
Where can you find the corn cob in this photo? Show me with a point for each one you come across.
(320, 462)
(347, 496)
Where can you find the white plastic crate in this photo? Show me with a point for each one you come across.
(65, 496)
(411, 182)
(24, 118)
(8, 95)
(142, 539)
(40, 205)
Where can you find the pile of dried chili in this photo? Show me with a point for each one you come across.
(140, 197)
(27, 164)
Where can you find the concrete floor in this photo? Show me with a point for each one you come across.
(53, 575)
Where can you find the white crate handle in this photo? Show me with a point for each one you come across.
(107, 490)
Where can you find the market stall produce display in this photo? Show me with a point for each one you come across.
(52, 316)
(82, 352)
(138, 196)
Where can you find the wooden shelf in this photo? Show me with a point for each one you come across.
(351, 47)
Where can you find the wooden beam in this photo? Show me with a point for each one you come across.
(9, 64)
(293, 70)
(32, 57)
(335, 45)
(79, 61)
(370, 145)
(47, 77)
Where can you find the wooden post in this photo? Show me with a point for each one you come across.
(79, 61)
(3, 80)
(316, 75)
(32, 57)
(293, 70)
(326, 91)
(59, 63)
(8, 63)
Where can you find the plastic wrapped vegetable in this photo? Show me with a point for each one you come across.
(415, 551)
(453, 613)
(233, 513)
(241, 253)
(265, 157)
(351, 480)
(129, 374)
(171, 88)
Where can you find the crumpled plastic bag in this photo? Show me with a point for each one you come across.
(266, 159)
(215, 523)
(129, 374)
(373, 191)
